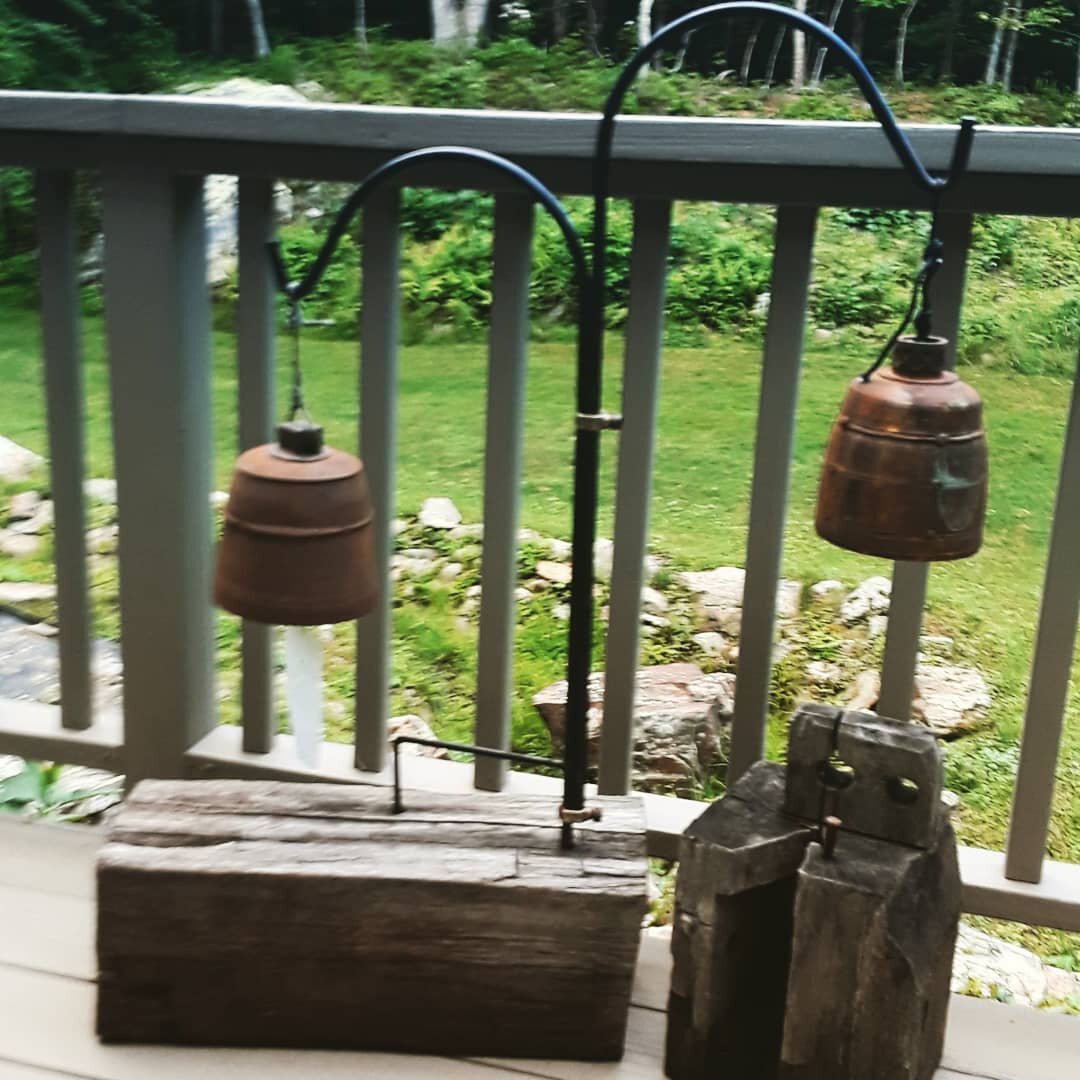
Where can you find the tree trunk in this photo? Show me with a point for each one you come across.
(1010, 52)
(1078, 67)
(748, 53)
(457, 22)
(259, 40)
(593, 20)
(644, 29)
(560, 23)
(217, 27)
(901, 41)
(360, 26)
(798, 53)
(858, 29)
(990, 76)
(948, 48)
(819, 60)
(774, 53)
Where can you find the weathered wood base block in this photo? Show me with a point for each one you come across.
(307, 915)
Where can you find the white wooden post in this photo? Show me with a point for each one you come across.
(157, 323)
(792, 265)
(62, 349)
(507, 352)
(641, 380)
(910, 579)
(1051, 667)
(255, 385)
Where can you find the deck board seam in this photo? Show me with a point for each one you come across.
(51, 972)
(46, 1070)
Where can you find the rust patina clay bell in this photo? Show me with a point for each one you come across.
(297, 549)
(905, 469)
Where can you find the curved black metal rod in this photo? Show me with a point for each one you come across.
(297, 290)
(934, 186)
(586, 450)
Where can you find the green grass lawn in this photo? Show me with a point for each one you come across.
(706, 433)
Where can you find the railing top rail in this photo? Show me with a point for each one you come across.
(1013, 170)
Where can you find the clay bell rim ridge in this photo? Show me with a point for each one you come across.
(272, 464)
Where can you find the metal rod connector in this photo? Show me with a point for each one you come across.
(599, 421)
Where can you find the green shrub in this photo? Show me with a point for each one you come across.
(861, 295)
(281, 66)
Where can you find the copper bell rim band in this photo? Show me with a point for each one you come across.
(296, 530)
(906, 436)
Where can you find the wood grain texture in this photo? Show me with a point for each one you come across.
(273, 914)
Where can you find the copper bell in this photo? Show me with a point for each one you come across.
(297, 549)
(905, 469)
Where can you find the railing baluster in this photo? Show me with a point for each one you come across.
(910, 579)
(507, 353)
(1055, 644)
(644, 336)
(792, 265)
(378, 447)
(255, 384)
(157, 320)
(62, 349)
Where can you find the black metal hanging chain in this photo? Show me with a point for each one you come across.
(932, 261)
(296, 397)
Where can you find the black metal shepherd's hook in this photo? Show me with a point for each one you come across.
(590, 420)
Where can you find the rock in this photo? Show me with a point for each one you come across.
(417, 727)
(398, 526)
(603, 558)
(102, 540)
(876, 625)
(423, 554)
(24, 505)
(468, 553)
(25, 592)
(870, 597)
(866, 691)
(521, 594)
(220, 193)
(822, 589)
(761, 305)
(558, 573)
(100, 489)
(40, 522)
(527, 536)
(657, 621)
(406, 566)
(986, 966)
(16, 462)
(825, 673)
(43, 629)
(653, 600)
(559, 549)
(475, 531)
(18, 546)
(218, 499)
(561, 612)
(720, 593)
(822, 334)
(950, 800)
(473, 592)
(450, 571)
(439, 513)
(711, 643)
(678, 715)
(937, 645)
(952, 700)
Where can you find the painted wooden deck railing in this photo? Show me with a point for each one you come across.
(152, 154)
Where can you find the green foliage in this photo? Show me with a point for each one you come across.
(857, 295)
(281, 66)
(37, 790)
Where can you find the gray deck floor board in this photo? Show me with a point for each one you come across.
(47, 1000)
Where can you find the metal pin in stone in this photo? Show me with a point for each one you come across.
(830, 829)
